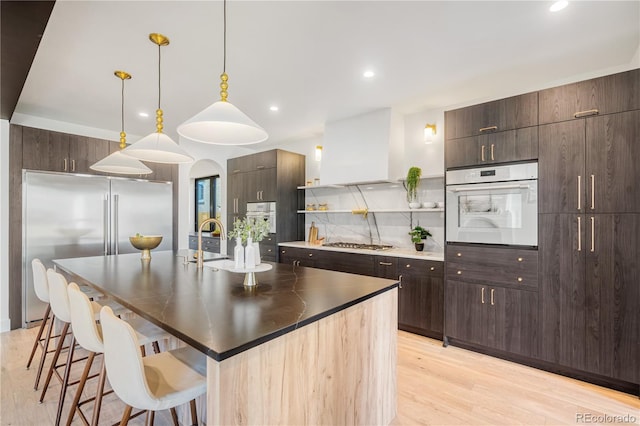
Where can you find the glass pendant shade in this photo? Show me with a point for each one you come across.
(222, 124)
(158, 148)
(121, 164)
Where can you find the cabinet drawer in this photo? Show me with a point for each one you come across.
(249, 163)
(208, 244)
(496, 116)
(494, 266)
(603, 95)
(386, 267)
(416, 266)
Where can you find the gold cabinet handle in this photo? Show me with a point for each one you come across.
(520, 259)
(408, 265)
(433, 268)
(586, 113)
(489, 129)
(259, 167)
(400, 281)
(579, 235)
(492, 146)
(310, 254)
(459, 272)
(459, 254)
(519, 279)
(579, 186)
(593, 237)
(283, 251)
(482, 296)
(593, 192)
(64, 165)
(482, 153)
(385, 263)
(73, 167)
(492, 290)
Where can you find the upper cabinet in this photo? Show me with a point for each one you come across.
(598, 96)
(496, 116)
(494, 132)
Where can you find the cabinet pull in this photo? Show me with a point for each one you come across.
(520, 259)
(579, 235)
(236, 171)
(487, 129)
(269, 250)
(385, 263)
(400, 281)
(492, 291)
(459, 254)
(482, 153)
(579, 186)
(64, 165)
(593, 237)
(259, 167)
(586, 113)
(482, 296)
(433, 268)
(492, 146)
(310, 254)
(408, 265)
(519, 279)
(283, 251)
(459, 272)
(593, 192)
(73, 167)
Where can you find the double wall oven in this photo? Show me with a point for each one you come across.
(493, 205)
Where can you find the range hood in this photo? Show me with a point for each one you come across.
(363, 149)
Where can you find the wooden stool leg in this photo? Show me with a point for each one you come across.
(65, 380)
(97, 405)
(45, 350)
(56, 355)
(194, 414)
(83, 381)
(150, 418)
(174, 417)
(125, 416)
(39, 336)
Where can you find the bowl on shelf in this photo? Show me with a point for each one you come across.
(428, 205)
(146, 243)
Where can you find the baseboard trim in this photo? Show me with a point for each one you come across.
(5, 325)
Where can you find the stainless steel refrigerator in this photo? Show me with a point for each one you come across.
(67, 215)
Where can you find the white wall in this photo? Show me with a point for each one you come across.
(4, 226)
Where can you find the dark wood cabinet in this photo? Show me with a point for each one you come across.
(492, 298)
(421, 297)
(590, 273)
(297, 256)
(494, 317)
(45, 150)
(603, 95)
(269, 176)
(386, 267)
(589, 165)
(493, 148)
(497, 116)
(209, 244)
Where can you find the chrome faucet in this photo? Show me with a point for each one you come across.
(200, 259)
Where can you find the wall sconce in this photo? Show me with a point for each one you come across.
(318, 152)
(429, 133)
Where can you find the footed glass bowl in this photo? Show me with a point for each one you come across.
(146, 243)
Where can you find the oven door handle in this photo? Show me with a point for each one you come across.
(488, 187)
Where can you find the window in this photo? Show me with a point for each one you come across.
(207, 199)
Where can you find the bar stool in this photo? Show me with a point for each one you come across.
(60, 305)
(88, 334)
(152, 383)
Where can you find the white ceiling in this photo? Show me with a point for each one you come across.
(307, 57)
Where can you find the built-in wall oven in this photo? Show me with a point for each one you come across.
(493, 205)
(265, 211)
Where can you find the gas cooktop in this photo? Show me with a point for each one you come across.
(361, 246)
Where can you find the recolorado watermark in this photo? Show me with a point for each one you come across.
(586, 418)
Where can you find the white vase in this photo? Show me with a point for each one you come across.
(249, 255)
(256, 247)
(414, 205)
(238, 254)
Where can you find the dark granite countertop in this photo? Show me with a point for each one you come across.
(210, 309)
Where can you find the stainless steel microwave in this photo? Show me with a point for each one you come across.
(493, 205)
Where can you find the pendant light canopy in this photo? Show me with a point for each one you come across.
(118, 162)
(158, 147)
(222, 123)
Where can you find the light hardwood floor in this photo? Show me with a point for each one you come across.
(436, 386)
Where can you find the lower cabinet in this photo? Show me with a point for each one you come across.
(492, 298)
(210, 244)
(421, 291)
(421, 297)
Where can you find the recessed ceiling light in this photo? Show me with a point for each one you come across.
(273, 108)
(368, 74)
(559, 5)
(143, 114)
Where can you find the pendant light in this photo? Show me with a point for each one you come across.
(117, 162)
(222, 123)
(158, 147)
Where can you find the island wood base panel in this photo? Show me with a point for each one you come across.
(338, 370)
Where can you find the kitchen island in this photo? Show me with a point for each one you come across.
(305, 346)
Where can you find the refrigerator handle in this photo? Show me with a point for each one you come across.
(115, 223)
(105, 223)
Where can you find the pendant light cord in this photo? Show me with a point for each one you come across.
(159, 68)
(122, 107)
(224, 45)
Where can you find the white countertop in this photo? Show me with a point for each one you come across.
(394, 252)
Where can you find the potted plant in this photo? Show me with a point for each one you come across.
(249, 231)
(417, 235)
(412, 182)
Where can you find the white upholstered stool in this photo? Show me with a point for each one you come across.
(155, 382)
(88, 334)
